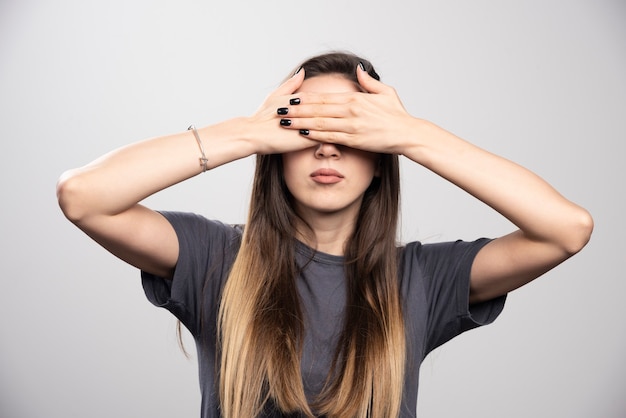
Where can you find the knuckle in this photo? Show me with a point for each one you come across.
(320, 124)
(332, 137)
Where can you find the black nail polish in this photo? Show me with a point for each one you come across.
(285, 122)
(295, 101)
(362, 66)
(282, 110)
(304, 131)
(297, 71)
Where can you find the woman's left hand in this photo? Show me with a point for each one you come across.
(376, 122)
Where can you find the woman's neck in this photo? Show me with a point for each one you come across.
(328, 234)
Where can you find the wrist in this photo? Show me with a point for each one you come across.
(416, 136)
(226, 141)
(247, 135)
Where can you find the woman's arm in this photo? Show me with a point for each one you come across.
(102, 198)
(551, 228)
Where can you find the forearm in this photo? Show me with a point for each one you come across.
(529, 202)
(119, 180)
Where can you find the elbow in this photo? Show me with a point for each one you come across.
(71, 196)
(579, 232)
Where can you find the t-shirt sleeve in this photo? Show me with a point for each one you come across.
(206, 251)
(444, 270)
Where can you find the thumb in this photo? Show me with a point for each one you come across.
(369, 83)
(290, 85)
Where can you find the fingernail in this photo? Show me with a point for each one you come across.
(282, 110)
(297, 71)
(295, 101)
(304, 131)
(285, 122)
(362, 66)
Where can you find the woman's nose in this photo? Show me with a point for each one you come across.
(327, 151)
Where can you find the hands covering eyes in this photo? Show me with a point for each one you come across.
(332, 109)
(374, 120)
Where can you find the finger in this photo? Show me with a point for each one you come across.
(323, 98)
(315, 110)
(291, 85)
(319, 124)
(339, 139)
(328, 137)
(369, 83)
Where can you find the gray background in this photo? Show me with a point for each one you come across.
(539, 82)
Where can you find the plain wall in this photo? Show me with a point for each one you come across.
(540, 82)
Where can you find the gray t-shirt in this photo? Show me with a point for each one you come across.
(434, 283)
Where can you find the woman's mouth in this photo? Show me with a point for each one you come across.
(326, 176)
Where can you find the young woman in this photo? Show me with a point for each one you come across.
(312, 308)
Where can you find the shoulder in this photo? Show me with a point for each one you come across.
(195, 221)
(194, 229)
(447, 250)
(438, 261)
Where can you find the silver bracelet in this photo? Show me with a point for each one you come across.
(204, 161)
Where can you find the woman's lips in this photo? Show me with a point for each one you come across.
(326, 176)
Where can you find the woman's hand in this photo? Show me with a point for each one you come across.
(376, 122)
(264, 126)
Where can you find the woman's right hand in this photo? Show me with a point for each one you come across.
(264, 130)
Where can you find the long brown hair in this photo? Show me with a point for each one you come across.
(261, 324)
